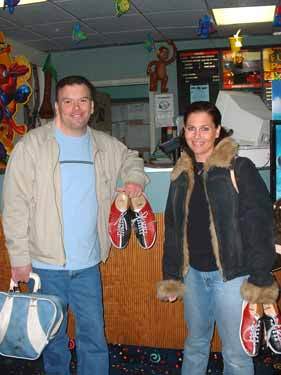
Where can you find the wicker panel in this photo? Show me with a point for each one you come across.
(5, 273)
(132, 312)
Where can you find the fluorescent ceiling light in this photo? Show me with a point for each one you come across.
(231, 16)
(25, 2)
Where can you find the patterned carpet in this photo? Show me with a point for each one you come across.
(133, 360)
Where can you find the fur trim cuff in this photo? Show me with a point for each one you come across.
(257, 294)
(170, 288)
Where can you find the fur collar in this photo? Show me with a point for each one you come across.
(223, 153)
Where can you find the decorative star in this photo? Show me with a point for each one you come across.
(149, 44)
(77, 33)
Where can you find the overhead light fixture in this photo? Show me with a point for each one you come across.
(232, 16)
(24, 2)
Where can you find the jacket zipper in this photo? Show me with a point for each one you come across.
(56, 202)
(204, 177)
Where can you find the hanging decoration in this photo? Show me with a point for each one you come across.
(206, 27)
(277, 16)
(14, 90)
(10, 4)
(46, 110)
(235, 42)
(122, 6)
(156, 69)
(49, 67)
(77, 34)
(149, 43)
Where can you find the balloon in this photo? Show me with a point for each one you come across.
(122, 7)
(10, 4)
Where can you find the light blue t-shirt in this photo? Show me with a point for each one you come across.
(79, 203)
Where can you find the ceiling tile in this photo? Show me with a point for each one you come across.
(58, 29)
(176, 19)
(21, 35)
(138, 36)
(37, 14)
(180, 33)
(6, 24)
(91, 8)
(148, 6)
(118, 24)
(91, 41)
(43, 45)
(246, 30)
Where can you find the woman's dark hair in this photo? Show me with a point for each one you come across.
(211, 110)
(76, 80)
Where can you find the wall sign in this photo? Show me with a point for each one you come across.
(198, 75)
(242, 71)
(201, 74)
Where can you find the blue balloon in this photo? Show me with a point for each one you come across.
(10, 4)
(22, 93)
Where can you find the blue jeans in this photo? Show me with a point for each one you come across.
(81, 291)
(208, 299)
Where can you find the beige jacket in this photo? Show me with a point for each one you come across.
(32, 217)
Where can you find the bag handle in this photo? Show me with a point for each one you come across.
(32, 275)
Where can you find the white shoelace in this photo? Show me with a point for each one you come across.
(140, 222)
(122, 225)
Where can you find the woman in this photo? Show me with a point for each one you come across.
(219, 246)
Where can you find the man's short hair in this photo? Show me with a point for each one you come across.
(76, 80)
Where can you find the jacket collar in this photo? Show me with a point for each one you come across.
(221, 157)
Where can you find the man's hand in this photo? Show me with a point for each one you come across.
(131, 190)
(172, 299)
(21, 273)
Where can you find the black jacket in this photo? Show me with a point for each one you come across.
(241, 224)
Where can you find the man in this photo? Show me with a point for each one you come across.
(57, 193)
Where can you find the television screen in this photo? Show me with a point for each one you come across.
(275, 160)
